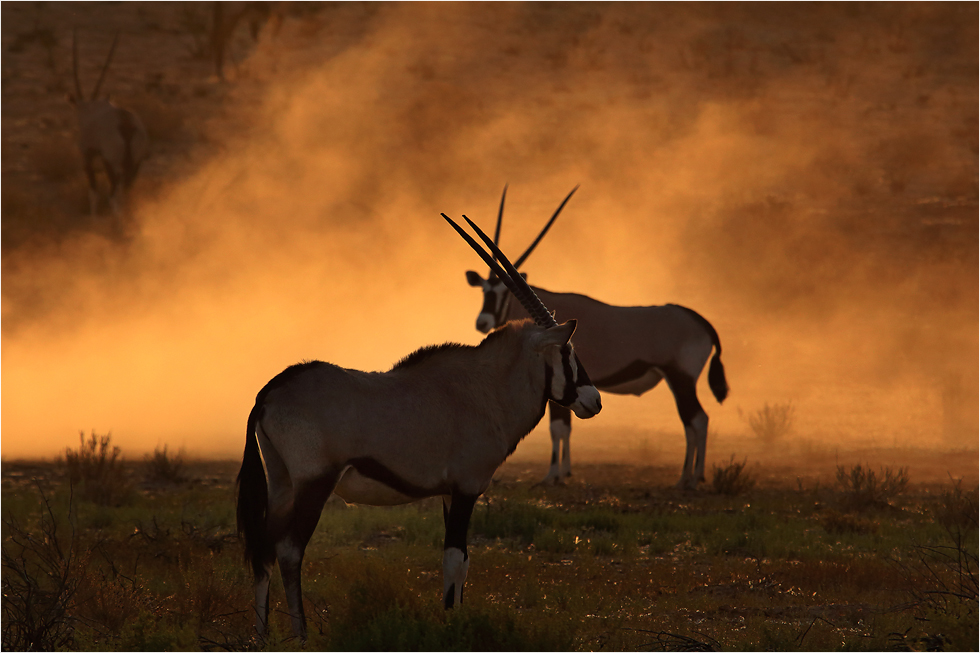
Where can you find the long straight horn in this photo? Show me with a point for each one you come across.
(105, 68)
(531, 302)
(500, 219)
(514, 282)
(545, 230)
(74, 65)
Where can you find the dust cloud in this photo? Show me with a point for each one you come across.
(803, 176)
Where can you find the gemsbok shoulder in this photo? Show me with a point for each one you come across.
(438, 423)
(627, 349)
(114, 135)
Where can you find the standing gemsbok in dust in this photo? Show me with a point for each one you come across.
(439, 423)
(627, 349)
(107, 132)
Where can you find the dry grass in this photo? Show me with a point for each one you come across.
(588, 565)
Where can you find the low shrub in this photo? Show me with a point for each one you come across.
(161, 467)
(772, 423)
(732, 479)
(861, 488)
(96, 468)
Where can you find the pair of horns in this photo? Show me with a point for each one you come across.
(527, 252)
(508, 273)
(74, 65)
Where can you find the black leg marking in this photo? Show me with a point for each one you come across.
(457, 524)
(458, 521)
(685, 394)
(635, 370)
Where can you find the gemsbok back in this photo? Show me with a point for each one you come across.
(107, 132)
(439, 423)
(627, 349)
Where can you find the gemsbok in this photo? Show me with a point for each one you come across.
(627, 349)
(439, 423)
(107, 132)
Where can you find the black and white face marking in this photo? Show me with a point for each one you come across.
(496, 301)
(570, 384)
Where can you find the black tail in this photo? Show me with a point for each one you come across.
(716, 371)
(253, 500)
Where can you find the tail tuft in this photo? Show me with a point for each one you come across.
(716, 377)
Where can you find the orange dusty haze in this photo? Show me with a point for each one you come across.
(804, 177)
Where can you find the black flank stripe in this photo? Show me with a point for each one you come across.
(631, 372)
(372, 469)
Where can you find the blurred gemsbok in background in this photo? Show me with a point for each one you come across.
(107, 132)
(628, 350)
(439, 423)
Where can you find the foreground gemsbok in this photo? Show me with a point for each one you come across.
(107, 132)
(627, 349)
(439, 423)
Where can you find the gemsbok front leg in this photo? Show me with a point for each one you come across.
(561, 455)
(456, 510)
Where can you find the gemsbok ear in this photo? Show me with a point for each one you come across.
(474, 279)
(554, 337)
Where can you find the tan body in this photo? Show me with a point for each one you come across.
(446, 422)
(439, 423)
(628, 350)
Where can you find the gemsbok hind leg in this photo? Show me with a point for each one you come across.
(456, 511)
(279, 504)
(695, 422)
(561, 432)
(309, 499)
